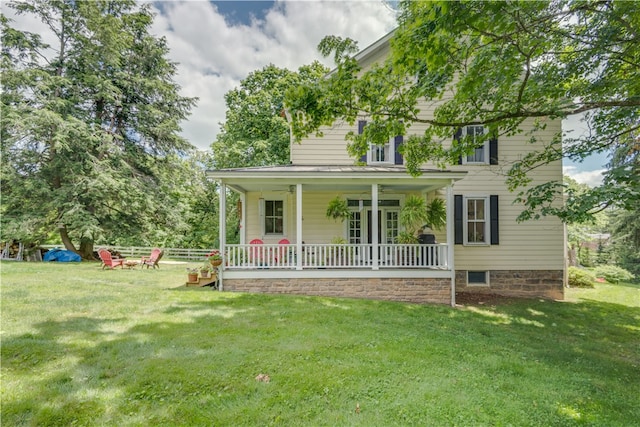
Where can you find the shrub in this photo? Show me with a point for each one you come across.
(579, 278)
(584, 257)
(613, 274)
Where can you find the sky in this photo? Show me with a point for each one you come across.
(216, 44)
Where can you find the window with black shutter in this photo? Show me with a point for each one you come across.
(476, 220)
(385, 154)
(485, 154)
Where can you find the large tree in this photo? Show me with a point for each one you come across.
(498, 64)
(90, 125)
(256, 132)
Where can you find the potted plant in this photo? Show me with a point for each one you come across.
(205, 271)
(338, 209)
(436, 214)
(214, 257)
(192, 274)
(406, 238)
(412, 215)
(415, 213)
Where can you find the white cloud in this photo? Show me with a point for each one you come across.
(213, 56)
(592, 178)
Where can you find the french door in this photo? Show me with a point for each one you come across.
(361, 231)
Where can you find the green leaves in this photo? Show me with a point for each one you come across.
(496, 64)
(256, 132)
(92, 124)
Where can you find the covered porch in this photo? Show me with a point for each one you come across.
(304, 250)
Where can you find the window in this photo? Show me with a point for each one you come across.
(480, 154)
(387, 153)
(380, 153)
(353, 203)
(476, 220)
(477, 278)
(273, 217)
(392, 225)
(355, 228)
(476, 224)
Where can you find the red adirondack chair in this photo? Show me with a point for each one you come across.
(256, 252)
(281, 256)
(109, 261)
(153, 259)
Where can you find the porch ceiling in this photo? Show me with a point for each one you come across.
(326, 178)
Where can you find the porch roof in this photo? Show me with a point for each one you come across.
(327, 177)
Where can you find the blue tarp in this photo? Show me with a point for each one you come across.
(61, 255)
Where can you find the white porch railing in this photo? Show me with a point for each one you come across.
(275, 256)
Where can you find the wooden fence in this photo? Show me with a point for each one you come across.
(139, 251)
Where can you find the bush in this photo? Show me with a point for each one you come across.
(584, 257)
(613, 274)
(579, 278)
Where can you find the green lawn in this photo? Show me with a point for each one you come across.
(82, 346)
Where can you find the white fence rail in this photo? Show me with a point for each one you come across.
(285, 256)
(140, 251)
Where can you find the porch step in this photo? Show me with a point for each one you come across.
(208, 281)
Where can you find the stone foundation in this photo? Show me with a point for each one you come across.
(392, 289)
(517, 283)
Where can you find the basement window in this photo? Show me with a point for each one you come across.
(477, 278)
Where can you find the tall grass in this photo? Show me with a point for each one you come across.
(82, 346)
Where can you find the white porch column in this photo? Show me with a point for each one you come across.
(450, 241)
(222, 228)
(374, 227)
(243, 221)
(298, 226)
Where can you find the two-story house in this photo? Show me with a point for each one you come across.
(288, 245)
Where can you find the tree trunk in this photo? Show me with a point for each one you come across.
(66, 240)
(86, 249)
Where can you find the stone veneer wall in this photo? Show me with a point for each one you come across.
(517, 283)
(391, 289)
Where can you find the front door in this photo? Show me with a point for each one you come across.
(360, 224)
(388, 227)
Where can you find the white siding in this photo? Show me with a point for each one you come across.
(330, 149)
(316, 228)
(535, 244)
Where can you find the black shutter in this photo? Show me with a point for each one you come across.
(458, 229)
(493, 151)
(456, 137)
(493, 215)
(361, 125)
(398, 142)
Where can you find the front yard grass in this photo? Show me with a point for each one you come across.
(82, 346)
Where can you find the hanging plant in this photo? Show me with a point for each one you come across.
(338, 209)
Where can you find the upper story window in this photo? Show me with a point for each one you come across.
(387, 153)
(481, 154)
(381, 153)
(485, 154)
